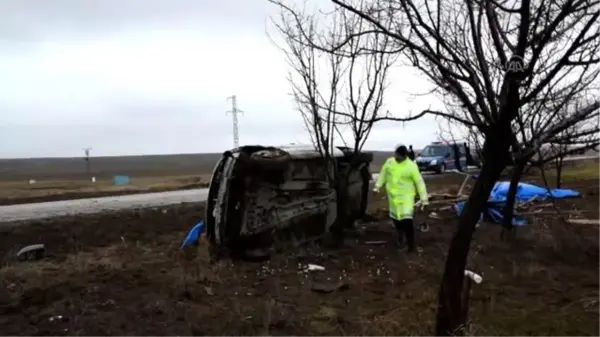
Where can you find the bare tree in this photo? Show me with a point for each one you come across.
(475, 139)
(335, 91)
(575, 140)
(531, 126)
(491, 60)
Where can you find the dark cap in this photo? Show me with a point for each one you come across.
(401, 150)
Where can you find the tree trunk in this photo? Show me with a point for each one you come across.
(559, 167)
(507, 225)
(337, 230)
(449, 318)
(466, 296)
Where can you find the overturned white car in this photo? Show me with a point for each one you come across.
(257, 193)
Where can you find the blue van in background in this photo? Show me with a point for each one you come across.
(439, 157)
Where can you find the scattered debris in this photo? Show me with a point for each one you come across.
(194, 235)
(55, 318)
(526, 194)
(31, 252)
(584, 221)
(434, 215)
(424, 227)
(529, 202)
(209, 291)
(464, 184)
(473, 276)
(324, 288)
(257, 254)
(314, 267)
(380, 242)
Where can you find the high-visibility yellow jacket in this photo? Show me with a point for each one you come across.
(402, 180)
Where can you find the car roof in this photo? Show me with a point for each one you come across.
(445, 144)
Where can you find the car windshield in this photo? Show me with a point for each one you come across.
(433, 151)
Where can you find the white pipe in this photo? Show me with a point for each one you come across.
(474, 277)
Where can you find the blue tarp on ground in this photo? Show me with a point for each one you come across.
(194, 234)
(120, 180)
(525, 192)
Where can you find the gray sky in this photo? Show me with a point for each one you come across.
(153, 76)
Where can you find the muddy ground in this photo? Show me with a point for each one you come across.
(124, 274)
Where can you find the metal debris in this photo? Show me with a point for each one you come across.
(314, 267)
(31, 252)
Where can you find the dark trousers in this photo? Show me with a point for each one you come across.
(458, 166)
(406, 231)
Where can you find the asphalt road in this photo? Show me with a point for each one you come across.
(98, 205)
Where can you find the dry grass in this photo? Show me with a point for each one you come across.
(47, 190)
(572, 171)
(588, 170)
(124, 274)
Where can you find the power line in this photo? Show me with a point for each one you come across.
(234, 112)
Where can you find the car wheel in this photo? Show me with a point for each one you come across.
(268, 159)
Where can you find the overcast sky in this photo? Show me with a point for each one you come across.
(153, 76)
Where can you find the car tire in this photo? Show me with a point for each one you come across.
(441, 169)
(255, 160)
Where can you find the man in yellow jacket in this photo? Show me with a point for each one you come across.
(402, 180)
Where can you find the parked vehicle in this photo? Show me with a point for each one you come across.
(257, 193)
(439, 157)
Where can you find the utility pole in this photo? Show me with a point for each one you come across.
(234, 112)
(87, 159)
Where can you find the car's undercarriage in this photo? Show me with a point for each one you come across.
(257, 193)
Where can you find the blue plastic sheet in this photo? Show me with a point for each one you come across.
(194, 234)
(525, 192)
(120, 180)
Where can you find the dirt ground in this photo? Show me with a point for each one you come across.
(124, 274)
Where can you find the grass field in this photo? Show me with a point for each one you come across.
(124, 274)
(66, 178)
(18, 192)
(586, 171)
